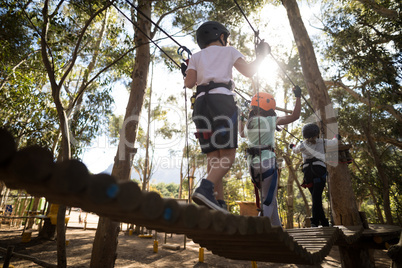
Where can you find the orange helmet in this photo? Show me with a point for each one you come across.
(264, 100)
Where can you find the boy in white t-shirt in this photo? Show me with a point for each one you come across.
(215, 111)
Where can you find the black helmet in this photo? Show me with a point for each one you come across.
(310, 131)
(209, 32)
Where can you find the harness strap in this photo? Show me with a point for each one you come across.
(212, 85)
(272, 187)
(254, 151)
(205, 134)
(310, 161)
(317, 179)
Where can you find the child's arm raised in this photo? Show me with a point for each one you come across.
(248, 69)
(283, 120)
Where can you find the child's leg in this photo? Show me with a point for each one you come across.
(219, 163)
(318, 211)
(270, 211)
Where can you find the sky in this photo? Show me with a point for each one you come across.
(99, 156)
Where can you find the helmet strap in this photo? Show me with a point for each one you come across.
(225, 40)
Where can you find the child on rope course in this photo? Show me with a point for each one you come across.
(314, 168)
(215, 111)
(260, 132)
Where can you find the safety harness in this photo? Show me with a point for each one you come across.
(212, 85)
(206, 88)
(256, 150)
(255, 178)
(317, 178)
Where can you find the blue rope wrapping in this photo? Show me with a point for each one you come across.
(272, 187)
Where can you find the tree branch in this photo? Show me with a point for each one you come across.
(172, 11)
(389, 13)
(5, 79)
(389, 108)
(385, 139)
(80, 37)
(44, 46)
(56, 9)
(99, 73)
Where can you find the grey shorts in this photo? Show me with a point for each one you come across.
(215, 117)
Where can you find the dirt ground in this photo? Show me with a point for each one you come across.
(134, 251)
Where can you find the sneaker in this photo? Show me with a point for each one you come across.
(222, 203)
(313, 222)
(324, 223)
(204, 196)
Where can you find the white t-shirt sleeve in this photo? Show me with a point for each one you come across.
(214, 63)
(332, 143)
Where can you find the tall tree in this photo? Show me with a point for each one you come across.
(364, 41)
(71, 37)
(184, 12)
(343, 199)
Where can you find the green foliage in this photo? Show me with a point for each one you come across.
(363, 49)
(27, 107)
(166, 190)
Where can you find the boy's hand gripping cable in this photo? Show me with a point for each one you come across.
(184, 64)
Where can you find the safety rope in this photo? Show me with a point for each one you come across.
(149, 38)
(282, 69)
(256, 33)
(180, 51)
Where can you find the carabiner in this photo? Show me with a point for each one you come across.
(183, 49)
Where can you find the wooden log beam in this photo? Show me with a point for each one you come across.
(29, 258)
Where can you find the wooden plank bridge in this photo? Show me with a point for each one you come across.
(235, 237)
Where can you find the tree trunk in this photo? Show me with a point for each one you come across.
(147, 171)
(290, 192)
(376, 205)
(382, 175)
(105, 243)
(343, 199)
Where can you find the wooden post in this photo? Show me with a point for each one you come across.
(201, 255)
(8, 256)
(190, 186)
(395, 253)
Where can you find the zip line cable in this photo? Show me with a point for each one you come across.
(256, 33)
(182, 49)
(283, 70)
(186, 144)
(308, 104)
(149, 38)
(156, 25)
(282, 128)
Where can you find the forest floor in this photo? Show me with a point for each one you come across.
(134, 251)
